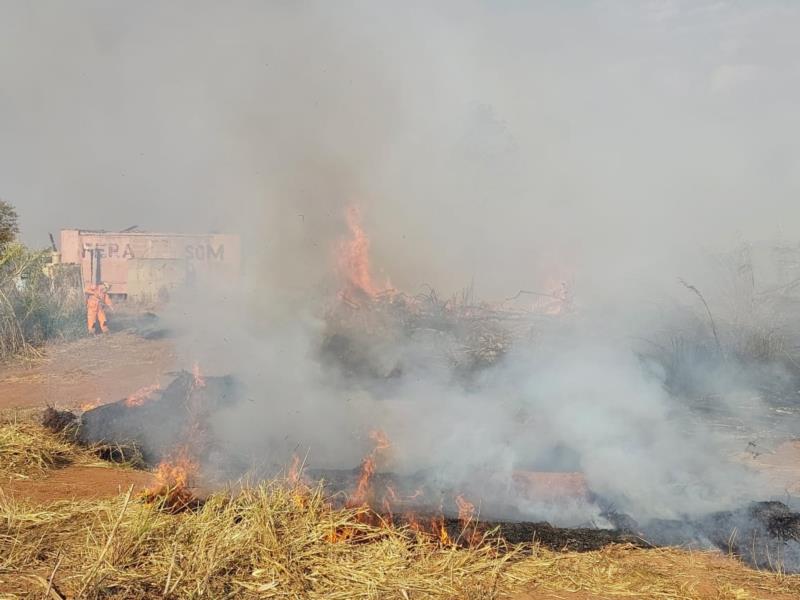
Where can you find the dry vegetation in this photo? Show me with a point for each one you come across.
(28, 450)
(37, 302)
(276, 540)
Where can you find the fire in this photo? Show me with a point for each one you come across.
(174, 477)
(353, 257)
(299, 490)
(141, 395)
(439, 530)
(413, 522)
(390, 498)
(360, 496)
(89, 405)
(380, 439)
(199, 380)
(466, 510)
(469, 526)
(175, 474)
(294, 471)
(340, 534)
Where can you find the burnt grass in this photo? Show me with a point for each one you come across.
(763, 534)
(579, 539)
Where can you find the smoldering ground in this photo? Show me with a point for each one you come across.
(502, 145)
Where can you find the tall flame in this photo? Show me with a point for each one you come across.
(354, 263)
(439, 530)
(294, 471)
(466, 510)
(360, 496)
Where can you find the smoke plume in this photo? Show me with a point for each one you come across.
(501, 146)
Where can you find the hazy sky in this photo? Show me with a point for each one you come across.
(477, 136)
(506, 143)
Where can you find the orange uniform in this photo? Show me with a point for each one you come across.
(97, 299)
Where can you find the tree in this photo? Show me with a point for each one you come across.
(8, 223)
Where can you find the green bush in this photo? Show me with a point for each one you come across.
(38, 301)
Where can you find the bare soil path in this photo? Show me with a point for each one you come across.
(88, 371)
(78, 483)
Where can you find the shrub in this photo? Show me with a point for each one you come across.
(37, 302)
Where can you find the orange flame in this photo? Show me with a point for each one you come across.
(380, 438)
(390, 498)
(300, 492)
(341, 534)
(294, 471)
(174, 477)
(466, 510)
(353, 259)
(141, 395)
(413, 522)
(439, 530)
(466, 516)
(176, 472)
(391, 495)
(359, 497)
(89, 405)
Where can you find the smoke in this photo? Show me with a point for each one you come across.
(500, 144)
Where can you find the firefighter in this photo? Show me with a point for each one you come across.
(97, 300)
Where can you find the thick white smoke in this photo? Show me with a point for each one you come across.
(505, 144)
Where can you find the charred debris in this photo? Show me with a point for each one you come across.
(763, 534)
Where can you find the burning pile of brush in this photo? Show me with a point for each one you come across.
(176, 473)
(460, 332)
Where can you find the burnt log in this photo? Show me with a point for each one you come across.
(159, 422)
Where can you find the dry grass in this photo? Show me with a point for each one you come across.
(28, 450)
(669, 573)
(276, 540)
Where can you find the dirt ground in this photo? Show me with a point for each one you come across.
(85, 372)
(93, 371)
(88, 371)
(107, 368)
(78, 483)
(781, 466)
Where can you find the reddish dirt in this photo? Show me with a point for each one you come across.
(88, 371)
(703, 575)
(78, 483)
(550, 486)
(781, 467)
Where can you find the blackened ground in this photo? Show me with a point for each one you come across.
(578, 539)
(161, 423)
(763, 534)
